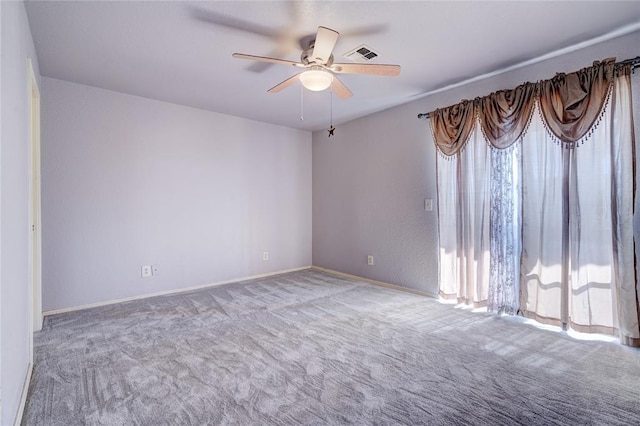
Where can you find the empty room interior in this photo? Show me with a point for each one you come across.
(319, 212)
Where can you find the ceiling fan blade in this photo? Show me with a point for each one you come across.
(326, 39)
(260, 66)
(370, 69)
(267, 59)
(283, 85)
(211, 17)
(340, 89)
(363, 31)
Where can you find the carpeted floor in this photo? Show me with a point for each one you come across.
(310, 348)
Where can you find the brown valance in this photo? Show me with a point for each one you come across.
(570, 104)
(505, 114)
(451, 126)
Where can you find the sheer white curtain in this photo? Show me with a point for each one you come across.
(542, 227)
(626, 289)
(463, 211)
(591, 295)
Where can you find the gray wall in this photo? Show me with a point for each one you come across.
(371, 179)
(129, 181)
(15, 302)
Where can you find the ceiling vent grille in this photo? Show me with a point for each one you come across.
(361, 54)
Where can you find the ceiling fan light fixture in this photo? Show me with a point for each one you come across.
(316, 80)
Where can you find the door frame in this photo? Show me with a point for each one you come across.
(35, 234)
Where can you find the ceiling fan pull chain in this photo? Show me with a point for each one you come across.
(301, 103)
(331, 129)
(330, 107)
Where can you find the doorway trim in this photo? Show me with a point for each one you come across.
(35, 234)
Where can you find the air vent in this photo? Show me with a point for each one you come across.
(361, 54)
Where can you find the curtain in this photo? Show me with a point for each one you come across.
(535, 201)
(505, 220)
(626, 290)
(586, 278)
(591, 296)
(479, 224)
(542, 224)
(463, 203)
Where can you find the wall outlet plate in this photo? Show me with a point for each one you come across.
(369, 260)
(145, 271)
(265, 255)
(428, 204)
(155, 269)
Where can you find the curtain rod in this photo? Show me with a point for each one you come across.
(635, 63)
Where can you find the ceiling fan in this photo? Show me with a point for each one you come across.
(320, 72)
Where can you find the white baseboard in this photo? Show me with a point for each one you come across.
(166, 292)
(218, 283)
(23, 397)
(374, 282)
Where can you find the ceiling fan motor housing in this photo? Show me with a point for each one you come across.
(306, 58)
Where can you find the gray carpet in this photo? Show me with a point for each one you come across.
(310, 348)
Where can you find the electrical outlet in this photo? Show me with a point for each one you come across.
(155, 269)
(146, 271)
(265, 255)
(369, 260)
(428, 204)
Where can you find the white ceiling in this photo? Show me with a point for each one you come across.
(181, 51)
